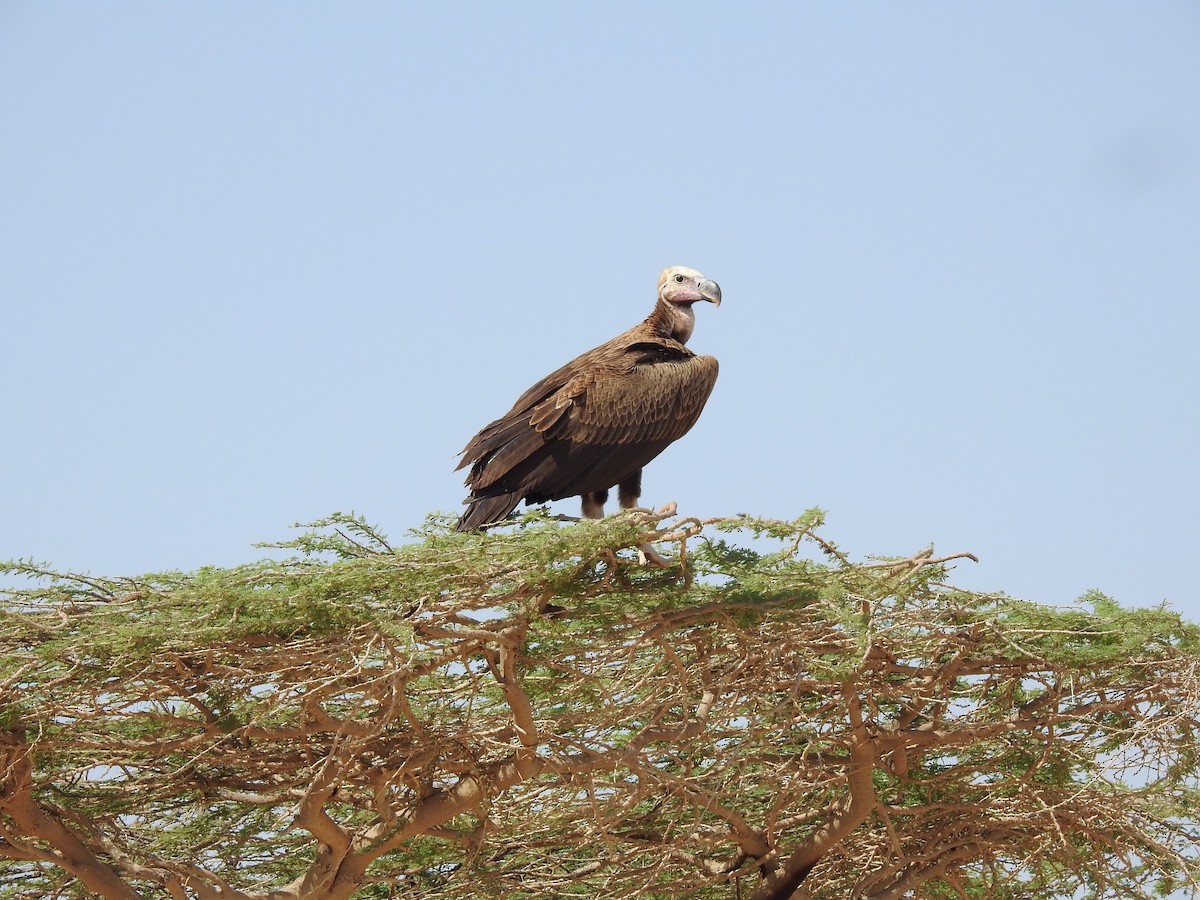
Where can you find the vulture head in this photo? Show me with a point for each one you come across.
(678, 288)
(685, 286)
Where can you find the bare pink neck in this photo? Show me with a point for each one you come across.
(673, 320)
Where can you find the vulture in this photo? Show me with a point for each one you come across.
(599, 419)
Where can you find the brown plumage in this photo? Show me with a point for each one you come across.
(599, 419)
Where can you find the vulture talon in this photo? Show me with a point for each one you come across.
(648, 556)
(597, 421)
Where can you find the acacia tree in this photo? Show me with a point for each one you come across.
(533, 713)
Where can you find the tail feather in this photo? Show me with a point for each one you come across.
(487, 511)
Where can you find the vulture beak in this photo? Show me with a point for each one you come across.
(710, 291)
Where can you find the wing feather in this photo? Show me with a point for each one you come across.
(659, 401)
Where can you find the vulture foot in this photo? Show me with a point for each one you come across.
(648, 556)
(663, 512)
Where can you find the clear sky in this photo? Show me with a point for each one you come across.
(264, 261)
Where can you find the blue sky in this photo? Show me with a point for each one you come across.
(261, 262)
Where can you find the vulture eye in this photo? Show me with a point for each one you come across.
(679, 279)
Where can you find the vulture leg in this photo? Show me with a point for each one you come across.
(628, 493)
(629, 490)
(593, 504)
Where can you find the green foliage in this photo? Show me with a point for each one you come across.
(687, 720)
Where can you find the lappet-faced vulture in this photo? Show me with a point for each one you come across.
(599, 419)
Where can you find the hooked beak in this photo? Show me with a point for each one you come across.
(710, 291)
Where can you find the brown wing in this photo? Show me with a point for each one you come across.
(559, 386)
(503, 444)
(647, 401)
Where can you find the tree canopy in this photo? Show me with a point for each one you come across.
(531, 712)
